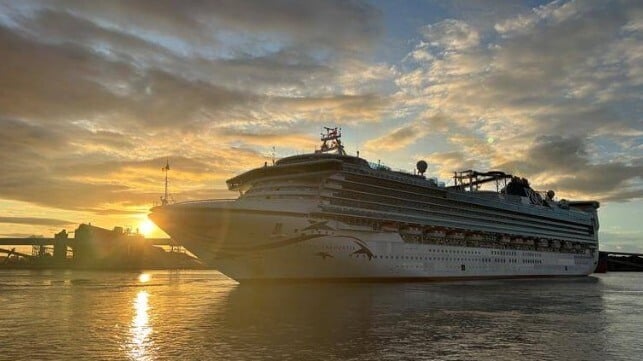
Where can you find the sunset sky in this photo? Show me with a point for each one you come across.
(96, 95)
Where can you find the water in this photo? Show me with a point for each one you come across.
(202, 315)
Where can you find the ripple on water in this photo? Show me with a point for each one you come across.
(203, 315)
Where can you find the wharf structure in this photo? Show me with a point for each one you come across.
(94, 247)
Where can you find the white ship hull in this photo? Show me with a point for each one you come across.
(254, 245)
(398, 262)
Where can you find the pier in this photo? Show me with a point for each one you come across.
(95, 247)
(619, 261)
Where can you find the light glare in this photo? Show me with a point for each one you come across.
(146, 227)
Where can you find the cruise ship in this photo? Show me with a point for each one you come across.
(333, 216)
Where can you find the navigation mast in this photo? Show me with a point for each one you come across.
(166, 169)
(330, 141)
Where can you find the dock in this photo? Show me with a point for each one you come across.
(95, 247)
(619, 262)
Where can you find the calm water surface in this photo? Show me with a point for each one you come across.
(202, 315)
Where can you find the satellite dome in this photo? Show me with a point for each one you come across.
(550, 194)
(421, 166)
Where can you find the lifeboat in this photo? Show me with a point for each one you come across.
(555, 244)
(505, 239)
(389, 227)
(474, 237)
(543, 243)
(412, 230)
(456, 235)
(437, 234)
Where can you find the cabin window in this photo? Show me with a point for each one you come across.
(462, 267)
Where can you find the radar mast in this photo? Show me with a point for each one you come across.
(166, 169)
(330, 141)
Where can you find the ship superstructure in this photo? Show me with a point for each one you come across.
(335, 216)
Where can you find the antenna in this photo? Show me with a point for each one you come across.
(166, 169)
(273, 155)
(330, 141)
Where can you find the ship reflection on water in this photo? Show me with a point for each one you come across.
(203, 315)
(409, 321)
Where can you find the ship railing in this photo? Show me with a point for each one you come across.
(394, 175)
(208, 200)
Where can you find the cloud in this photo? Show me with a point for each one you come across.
(21, 235)
(41, 167)
(348, 108)
(271, 139)
(397, 139)
(35, 221)
(96, 96)
(551, 92)
(562, 162)
(450, 34)
(336, 25)
(616, 241)
(154, 72)
(111, 212)
(448, 162)
(49, 77)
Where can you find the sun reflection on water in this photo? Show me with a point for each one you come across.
(144, 277)
(140, 329)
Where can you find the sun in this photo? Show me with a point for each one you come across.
(146, 227)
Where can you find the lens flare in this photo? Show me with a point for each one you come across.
(146, 227)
